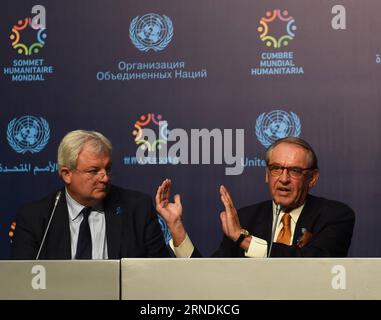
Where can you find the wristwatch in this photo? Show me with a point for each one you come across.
(244, 233)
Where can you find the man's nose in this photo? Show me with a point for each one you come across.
(105, 176)
(285, 176)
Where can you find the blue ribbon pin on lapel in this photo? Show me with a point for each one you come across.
(119, 210)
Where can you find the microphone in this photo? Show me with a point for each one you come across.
(277, 213)
(58, 196)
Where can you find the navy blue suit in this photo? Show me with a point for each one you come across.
(132, 228)
(330, 222)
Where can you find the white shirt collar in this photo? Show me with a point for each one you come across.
(75, 208)
(295, 213)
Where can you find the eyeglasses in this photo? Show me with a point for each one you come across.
(293, 172)
(96, 172)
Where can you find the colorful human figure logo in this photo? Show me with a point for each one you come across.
(287, 25)
(20, 44)
(142, 124)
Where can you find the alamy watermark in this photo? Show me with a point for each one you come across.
(199, 146)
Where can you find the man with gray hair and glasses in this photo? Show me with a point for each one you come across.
(292, 224)
(89, 218)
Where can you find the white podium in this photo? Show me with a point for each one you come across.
(53, 280)
(192, 279)
(251, 279)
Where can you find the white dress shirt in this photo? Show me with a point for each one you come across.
(97, 224)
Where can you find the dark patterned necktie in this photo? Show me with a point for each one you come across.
(84, 245)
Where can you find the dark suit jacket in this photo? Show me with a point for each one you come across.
(330, 222)
(132, 228)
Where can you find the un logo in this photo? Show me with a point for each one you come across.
(28, 133)
(151, 31)
(275, 125)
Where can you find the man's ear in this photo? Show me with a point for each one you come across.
(65, 174)
(267, 176)
(314, 178)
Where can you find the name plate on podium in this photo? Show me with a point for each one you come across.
(251, 279)
(69, 279)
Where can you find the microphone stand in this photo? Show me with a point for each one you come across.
(58, 196)
(277, 213)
